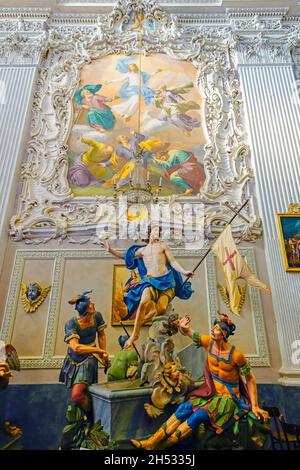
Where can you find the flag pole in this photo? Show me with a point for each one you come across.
(236, 213)
(233, 210)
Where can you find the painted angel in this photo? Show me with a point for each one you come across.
(175, 107)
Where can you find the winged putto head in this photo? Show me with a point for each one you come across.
(33, 296)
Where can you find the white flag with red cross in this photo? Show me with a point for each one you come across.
(234, 267)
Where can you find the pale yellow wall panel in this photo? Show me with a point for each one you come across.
(29, 329)
(81, 275)
(244, 337)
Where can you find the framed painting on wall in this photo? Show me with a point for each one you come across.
(289, 231)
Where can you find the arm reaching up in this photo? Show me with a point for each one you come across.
(118, 254)
(93, 143)
(184, 327)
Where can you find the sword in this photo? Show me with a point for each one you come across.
(103, 361)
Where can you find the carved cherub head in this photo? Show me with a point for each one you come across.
(33, 296)
(33, 291)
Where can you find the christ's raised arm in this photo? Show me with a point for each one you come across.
(107, 246)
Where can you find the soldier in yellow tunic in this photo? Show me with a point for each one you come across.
(97, 156)
(220, 398)
(95, 165)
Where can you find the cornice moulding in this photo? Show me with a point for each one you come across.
(190, 18)
(21, 48)
(47, 14)
(165, 3)
(66, 18)
(292, 18)
(34, 13)
(250, 12)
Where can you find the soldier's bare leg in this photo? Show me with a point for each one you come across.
(166, 430)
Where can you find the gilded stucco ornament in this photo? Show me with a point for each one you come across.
(33, 296)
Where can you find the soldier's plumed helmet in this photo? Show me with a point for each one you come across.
(81, 302)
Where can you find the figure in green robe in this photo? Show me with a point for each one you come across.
(181, 168)
(125, 363)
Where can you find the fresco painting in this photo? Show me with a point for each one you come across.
(125, 104)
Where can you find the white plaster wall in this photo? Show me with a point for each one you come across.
(16, 85)
(273, 111)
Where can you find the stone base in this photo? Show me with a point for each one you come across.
(120, 407)
(289, 377)
(120, 404)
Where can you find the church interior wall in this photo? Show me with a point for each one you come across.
(39, 336)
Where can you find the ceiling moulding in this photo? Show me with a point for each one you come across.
(249, 12)
(198, 19)
(188, 3)
(15, 13)
(66, 18)
(294, 17)
(22, 29)
(280, 14)
(183, 19)
(261, 19)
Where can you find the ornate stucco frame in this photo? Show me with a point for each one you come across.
(49, 361)
(46, 208)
